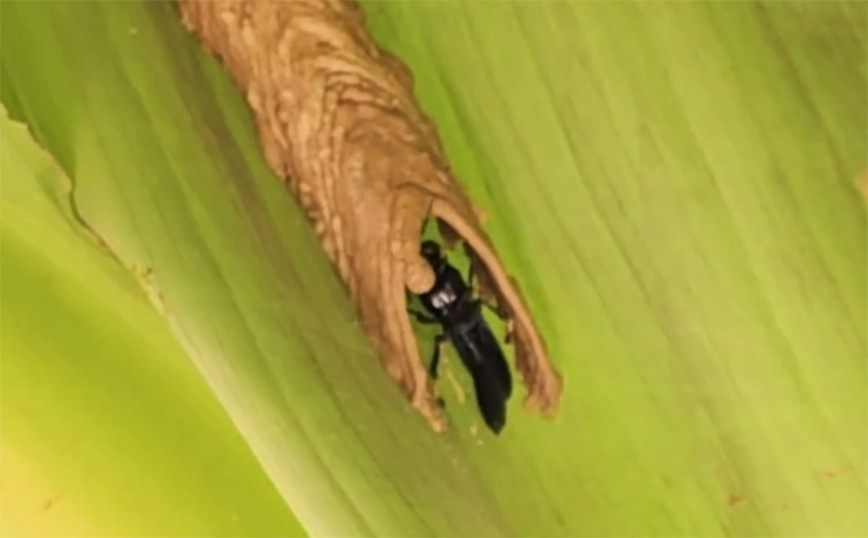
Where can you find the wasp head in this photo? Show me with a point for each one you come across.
(432, 254)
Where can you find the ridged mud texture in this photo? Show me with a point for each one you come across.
(338, 122)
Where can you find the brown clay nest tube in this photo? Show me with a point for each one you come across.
(338, 122)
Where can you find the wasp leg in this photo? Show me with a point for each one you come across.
(470, 278)
(422, 318)
(435, 360)
(494, 310)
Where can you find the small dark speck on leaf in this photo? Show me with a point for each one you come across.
(49, 504)
(835, 473)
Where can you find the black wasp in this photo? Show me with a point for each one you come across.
(452, 305)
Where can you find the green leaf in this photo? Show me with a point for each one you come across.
(107, 428)
(675, 184)
(671, 184)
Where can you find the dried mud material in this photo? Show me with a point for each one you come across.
(338, 123)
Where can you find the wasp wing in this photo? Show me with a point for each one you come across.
(481, 354)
